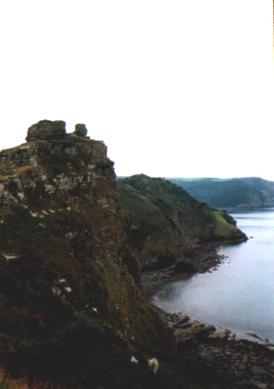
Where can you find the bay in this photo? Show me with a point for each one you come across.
(239, 294)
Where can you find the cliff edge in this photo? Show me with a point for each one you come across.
(69, 310)
(71, 314)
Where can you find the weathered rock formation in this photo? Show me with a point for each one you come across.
(81, 130)
(69, 310)
(53, 130)
(71, 315)
(47, 130)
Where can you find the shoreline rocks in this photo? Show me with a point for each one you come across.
(216, 353)
(203, 259)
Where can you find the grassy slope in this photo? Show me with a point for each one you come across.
(223, 227)
(165, 221)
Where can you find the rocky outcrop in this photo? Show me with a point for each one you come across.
(236, 363)
(53, 130)
(69, 310)
(81, 130)
(71, 314)
(47, 130)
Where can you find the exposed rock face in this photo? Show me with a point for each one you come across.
(81, 130)
(67, 302)
(47, 130)
(71, 316)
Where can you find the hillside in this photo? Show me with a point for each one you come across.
(165, 224)
(70, 314)
(250, 192)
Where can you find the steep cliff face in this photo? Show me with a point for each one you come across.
(166, 224)
(71, 315)
(69, 310)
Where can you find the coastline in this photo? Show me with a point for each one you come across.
(204, 259)
(206, 350)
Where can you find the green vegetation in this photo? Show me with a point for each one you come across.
(250, 192)
(223, 227)
(165, 222)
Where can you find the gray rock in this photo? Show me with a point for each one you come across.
(221, 335)
(182, 319)
(47, 130)
(193, 333)
(80, 130)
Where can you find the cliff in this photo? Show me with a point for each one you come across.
(166, 225)
(235, 193)
(69, 311)
(71, 314)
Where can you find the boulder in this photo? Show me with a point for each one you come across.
(47, 130)
(220, 335)
(193, 333)
(80, 130)
(182, 320)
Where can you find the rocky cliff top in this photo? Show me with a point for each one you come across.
(53, 130)
(71, 315)
(65, 293)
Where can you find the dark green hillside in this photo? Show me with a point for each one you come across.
(250, 192)
(165, 222)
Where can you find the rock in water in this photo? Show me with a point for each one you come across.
(47, 130)
(80, 130)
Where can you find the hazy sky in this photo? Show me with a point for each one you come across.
(174, 88)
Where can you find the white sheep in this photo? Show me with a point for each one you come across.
(68, 289)
(153, 364)
(134, 360)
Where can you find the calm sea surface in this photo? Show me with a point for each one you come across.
(239, 295)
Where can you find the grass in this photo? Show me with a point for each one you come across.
(223, 229)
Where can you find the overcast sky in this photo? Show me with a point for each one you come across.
(174, 88)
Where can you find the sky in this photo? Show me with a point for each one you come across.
(174, 88)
